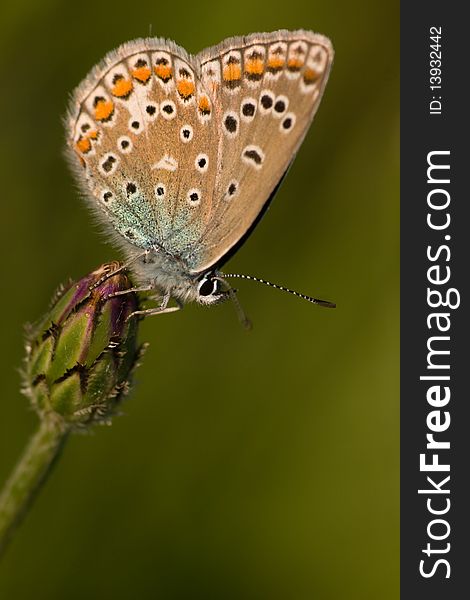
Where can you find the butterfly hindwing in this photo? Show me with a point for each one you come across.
(142, 128)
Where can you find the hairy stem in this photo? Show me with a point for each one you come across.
(29, 475)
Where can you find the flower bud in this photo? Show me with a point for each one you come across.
(81, 356)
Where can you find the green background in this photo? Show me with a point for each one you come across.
(258, 465)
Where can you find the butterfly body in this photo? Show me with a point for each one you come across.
(169, 275)
(178, 155)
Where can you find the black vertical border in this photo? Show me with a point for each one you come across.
(420, 134)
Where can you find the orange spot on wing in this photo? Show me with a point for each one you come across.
(295, 64)
(204, 105)
(122, 88)
(142, 74)
(83, 145)
(103, 110)
(254, 67)
(275, 63)
(163, 72)
(310, 75)
(232, 72)
(185, 88)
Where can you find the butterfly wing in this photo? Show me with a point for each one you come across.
(265, 90)
(182, 153)
(144, 146)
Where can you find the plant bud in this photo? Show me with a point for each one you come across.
(81, 356)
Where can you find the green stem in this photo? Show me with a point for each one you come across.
(29, 475)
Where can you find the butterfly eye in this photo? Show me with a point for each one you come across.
(208, 287)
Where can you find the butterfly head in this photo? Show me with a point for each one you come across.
(212, 289)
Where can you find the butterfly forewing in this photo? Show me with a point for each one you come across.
(265, 89)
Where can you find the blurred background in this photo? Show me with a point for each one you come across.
(260, 465)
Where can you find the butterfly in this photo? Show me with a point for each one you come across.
(180, 155)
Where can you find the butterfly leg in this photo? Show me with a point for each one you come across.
(158, 310)
(123, 267)
(142, 288)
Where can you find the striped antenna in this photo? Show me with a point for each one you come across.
(324, 303)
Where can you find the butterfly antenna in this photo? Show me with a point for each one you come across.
(244, 320)
(241, 314)
(324, 303)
